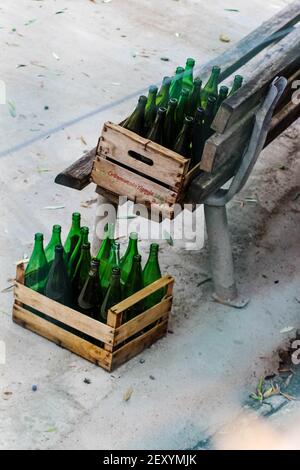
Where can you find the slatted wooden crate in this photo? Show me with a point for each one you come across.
(143, 171)
(106, 345)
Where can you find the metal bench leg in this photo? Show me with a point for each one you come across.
(225, 290)
(105, 211)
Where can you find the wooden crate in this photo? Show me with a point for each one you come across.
(143, 171)
(119, 343)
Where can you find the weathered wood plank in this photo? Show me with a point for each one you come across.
(282, 120)
(77, 175)
(223, 147)
(281, 60)
(124, 182)
(164, 165)
(269, 32)
(136, 346)
(142, 294)
(63, 338)
(64, 314)
(141, 321)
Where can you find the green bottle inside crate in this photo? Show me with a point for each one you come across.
(170, 124)
(73, 261)
(163, 96)
(90, 297)
(37, 270)
(58, 285)
(181, 109)
(197, 137)
(184, 139)
(176, 85)
(112, 262)
(73, 236)
(150, 109)
(237, 84)
(82, 269)
(113, 294)
(211, 87)
(195, 97)
(104, 251)
(152, 273)
(54, 241)
(187, 81)
(156, 133)
(136, 121)
(127, 260)
(133, 284)
(223, 93)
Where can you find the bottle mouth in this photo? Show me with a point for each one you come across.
(116, 271)
(190, 61)
(39, 237)
(137, 258)
(59, 249)
(76, 215)
(56, 228)
(133, 235)
(86, 246)
(153, 89)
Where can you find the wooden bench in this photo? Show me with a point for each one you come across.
(243, 126)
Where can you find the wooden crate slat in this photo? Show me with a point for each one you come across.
(137, 345)
(284, 59)
(282, 120)
(168, 166)
(78, 175)
(121, 181)
(142, 294)
(141, 321)
(63, 338)
(64, 314)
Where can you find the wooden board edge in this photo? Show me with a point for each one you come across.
(37, 301)
(164, 281)
(137, 324)
(137, 345)
(63, 338)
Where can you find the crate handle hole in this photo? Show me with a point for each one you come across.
(140, 158)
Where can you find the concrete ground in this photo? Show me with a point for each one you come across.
(62, 61)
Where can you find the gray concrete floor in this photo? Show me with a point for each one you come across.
(75, 62)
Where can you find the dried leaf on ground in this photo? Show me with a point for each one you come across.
(127, 394)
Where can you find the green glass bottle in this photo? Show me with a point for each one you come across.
(176, 85)
(237, 84)
(58, 286)
(73, 261)
(82, 269)
(73, 236)
(211, 88)
(170, 134)
(209, 117)
(37, 270)
(195, 97)
(135, 122)
(54, 241)
(90, 297)
(113, 295)
(150, 109)
(163, 96)
(112, 262)
(187, 81)
(223, 93)
(127, 259)
(184, 139)
(104, 251)
(133, 284)
(152, 273)
(181, 109)
(197, 137)
(156, 133)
